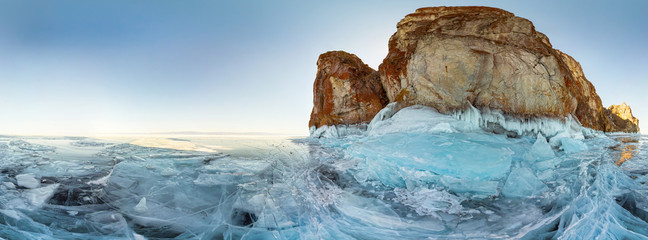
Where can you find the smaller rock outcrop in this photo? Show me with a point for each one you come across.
(621, 117)
(346, 91)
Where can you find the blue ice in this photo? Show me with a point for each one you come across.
(413, 174)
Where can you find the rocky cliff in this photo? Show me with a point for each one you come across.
(346, 91)
(451, 58)
(621, 117)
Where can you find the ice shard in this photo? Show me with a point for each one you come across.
(447, 178)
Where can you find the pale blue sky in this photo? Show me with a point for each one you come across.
(91, 67)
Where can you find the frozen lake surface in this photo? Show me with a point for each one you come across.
(447, 181)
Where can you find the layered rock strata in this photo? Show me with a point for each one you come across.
(452, 58)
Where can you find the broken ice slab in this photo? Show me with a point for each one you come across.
(541, 149)
(522, 182)
(27, 180)
(431, 202)
(38, 196)
(570, 145)
(334, 189)
(379, 216)
(473, 160)
(141, 206)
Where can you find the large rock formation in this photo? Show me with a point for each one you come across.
(622, 118)
(346, 91)
(451, 58)
(589, 109)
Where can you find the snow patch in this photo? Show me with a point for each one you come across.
(27, 180)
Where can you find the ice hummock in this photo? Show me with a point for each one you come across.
(418, 146)
(522, 182)
(419, 118)
(473, 166)
(541, 149)
(445, 178)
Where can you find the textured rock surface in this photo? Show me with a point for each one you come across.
(450, 57)
(622, 118)
(346, 91)
(589, 109)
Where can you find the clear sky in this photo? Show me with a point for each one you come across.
(94, 67)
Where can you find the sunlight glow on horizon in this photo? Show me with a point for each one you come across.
(92, 68)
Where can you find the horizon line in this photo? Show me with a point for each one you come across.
(207, 133)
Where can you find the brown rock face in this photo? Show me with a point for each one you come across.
(346, 91)
(622, 118)
(450, 57)
(589, 109)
